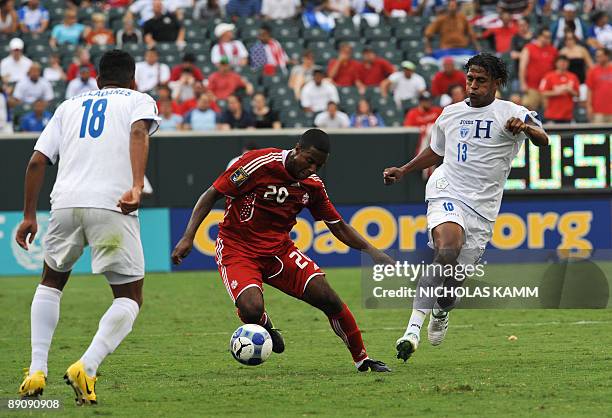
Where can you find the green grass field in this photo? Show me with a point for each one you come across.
(176, 360)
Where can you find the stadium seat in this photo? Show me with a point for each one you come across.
(196, 34)
(134, 49)
(248, 33)
(391, 116)
(286, 33)
(275, 80)
(407, 32)
(314, 34)
(377, 32)
(346, 33)
(408, 104)
(293, 49)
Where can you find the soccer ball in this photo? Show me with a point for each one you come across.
(251, 344)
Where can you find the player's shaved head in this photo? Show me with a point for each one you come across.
(315, 138)
(116, 68)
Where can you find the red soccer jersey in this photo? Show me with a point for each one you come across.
(541, 61)
(442, 81)
(263, 200)
(599, 80)
(503, 36)
(372, 75)
(417, 117)
(560, 107)
(347, 73)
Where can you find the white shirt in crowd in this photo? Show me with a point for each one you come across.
(324, 120)
(14, 70)
(478, 152)
(6, 125)
(90, 134)
(406, 88)
(317, 97)
(77, 86)
(150, 76)
(29, 91)
(52, 74)
(234, 51)
(279, 9)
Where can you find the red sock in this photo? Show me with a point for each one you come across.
(346, 328)
(262, 321)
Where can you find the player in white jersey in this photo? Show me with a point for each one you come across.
(100, 141)
(475, 141)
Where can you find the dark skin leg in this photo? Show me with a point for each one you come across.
(320, 294)
(448, 240)
(55, 279)
(250, 303)
(129, 290)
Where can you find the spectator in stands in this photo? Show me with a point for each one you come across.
(235, 117)
(151, 73)
(82, 84)
(267, 53)
(128, 34)
(502, 35)
(398, 8)
(207, 10)
(454, 30)
(579, 58)
(368, 10)
(364, 117)
(343, 70)
(233, 49)
(559, 87)
(279, 9)
(99, 34)
(36, 119)
(600, 34)
(302, 73)
(6, 124)
(599, 82)
(318, 92)
(15, 66)
(170, 121)
(242, 8)
(537, 59)
(145, 9)
(522, 38)
(33, 18)
(69, 31)
(8, 17)
(424, 114)
(332, 118)
(163, 27)
(187, 62)
(516, 7)
(264, 116)
(32, 88)
(569, 19)
(225, 82)
(82, 58)
(449, 76)
(117, 3)
(183, 89)
(405, 84)
(164, 93)
(337, 8)
(53, 71)
(373, 70)
(456, 93)
(203, 117)
(190, 104)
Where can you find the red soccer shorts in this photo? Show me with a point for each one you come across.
(289, 272)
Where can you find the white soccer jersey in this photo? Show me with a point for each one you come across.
(90, 134)
(478, 152)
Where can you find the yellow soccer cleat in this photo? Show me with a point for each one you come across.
(84, 386)
(33, 384)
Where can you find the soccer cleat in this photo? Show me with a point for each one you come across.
(373, 365)
(84, 386)
(406, 346)
(278, 342)
(436, 330)
(33, 384)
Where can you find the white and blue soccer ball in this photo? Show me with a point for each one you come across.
(251, 344)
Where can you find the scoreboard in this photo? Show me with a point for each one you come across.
(575, 159)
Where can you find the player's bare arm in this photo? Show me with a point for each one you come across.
(425, 159)
(35, 175)
(533, 132)
(200, 212)
(349, 236)
(139, 152)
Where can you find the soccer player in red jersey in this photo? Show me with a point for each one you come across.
(264, 191)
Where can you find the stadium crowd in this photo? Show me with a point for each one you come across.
(247, 64)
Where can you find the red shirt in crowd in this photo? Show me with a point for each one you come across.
(599, 81)
(405, 5)
(188, 105)
(419, 117)
(442, 81)
(223, 85)
(347, 73)
(560, 107)
(74, 68)
(503, 36)
(177, 70)
(541, 61)
(372, 74)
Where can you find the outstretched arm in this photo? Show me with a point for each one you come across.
(347, 234)
(200, 212)
(35, 175)
(427, 158)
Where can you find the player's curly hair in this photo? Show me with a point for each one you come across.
(492, 65)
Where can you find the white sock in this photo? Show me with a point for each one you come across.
(114, 326)
(43, 320)
(416, 321)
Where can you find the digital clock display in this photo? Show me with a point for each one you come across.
(571, 161)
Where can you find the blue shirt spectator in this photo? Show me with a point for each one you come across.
(243, 8)
(69, 31)
(201, 120)
(36, 120)
(365, 118)
(33, 17)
